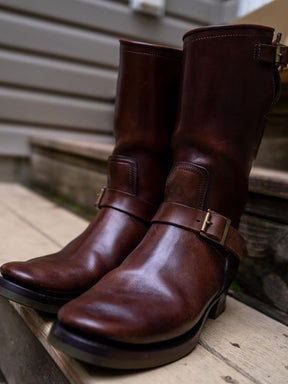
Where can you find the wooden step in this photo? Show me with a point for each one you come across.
(76, 171)
(242, 346)
(73, 170)
(64, 166)
(264, 225)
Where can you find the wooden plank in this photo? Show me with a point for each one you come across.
(264, 237)
(267, 207)
(54, 223)
(14, 170)
(54, 39)
(200, 366)
(57, 76)
(97, 151)
(269, 182)
(250, 343)
(25, 239)
(22, 357)
(69, 169)
(264, 273)
(60, 111)
(14, 139)
(108, 16)
(260, 306)
(77, 180)
(273, 150)
(241, 346)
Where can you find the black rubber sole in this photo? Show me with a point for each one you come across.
(25, 296)
(109, 354)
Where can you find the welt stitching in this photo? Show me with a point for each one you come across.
(132, 172)
(218, 37)
(154, 55)
(257, 52)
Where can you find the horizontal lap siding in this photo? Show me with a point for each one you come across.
(40, 108)
(32, 71)
(58, 61)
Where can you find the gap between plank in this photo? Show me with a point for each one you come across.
(30, 224)
(228, 362)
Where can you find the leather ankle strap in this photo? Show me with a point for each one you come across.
(210, 225)
(272, 53)
(126, 203)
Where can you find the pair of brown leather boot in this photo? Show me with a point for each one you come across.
(164, 247)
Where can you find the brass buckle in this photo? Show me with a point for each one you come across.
(279, 54)
(207, 221)
(100, 197)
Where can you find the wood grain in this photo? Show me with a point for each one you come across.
(250, 342)
(241, 346)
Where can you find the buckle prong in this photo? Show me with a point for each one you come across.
(279, 54)
(207, 222)
(100, 197)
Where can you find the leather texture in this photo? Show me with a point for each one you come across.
(145, 116)
(163, 288)
(125, 202)
(272, 53)
(209, 224)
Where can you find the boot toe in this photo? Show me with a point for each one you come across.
(100, 320)
(119, 317)
(17, 271)
(37, 273)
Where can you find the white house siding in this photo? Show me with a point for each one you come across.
(58, 61)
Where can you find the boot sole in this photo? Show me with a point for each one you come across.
(110, 354)
(36, 300)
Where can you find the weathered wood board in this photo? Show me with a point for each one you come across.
(264, 274)
(241, 346)
(74, 171)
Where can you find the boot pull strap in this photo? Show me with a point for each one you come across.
(125, 202)
(274, 53)
(209, 224)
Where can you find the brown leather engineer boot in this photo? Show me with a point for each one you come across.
(151, 309)
(146, 108)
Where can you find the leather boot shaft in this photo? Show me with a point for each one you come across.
(151, 309)
(145, 114)
(226, 94)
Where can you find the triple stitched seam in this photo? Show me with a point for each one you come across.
(132, 170)
(192, 40)
(201, 189)
(155, 54)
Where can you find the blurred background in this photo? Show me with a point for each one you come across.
(58, 72)
(58, 62)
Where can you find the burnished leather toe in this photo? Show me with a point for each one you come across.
(155, 295)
